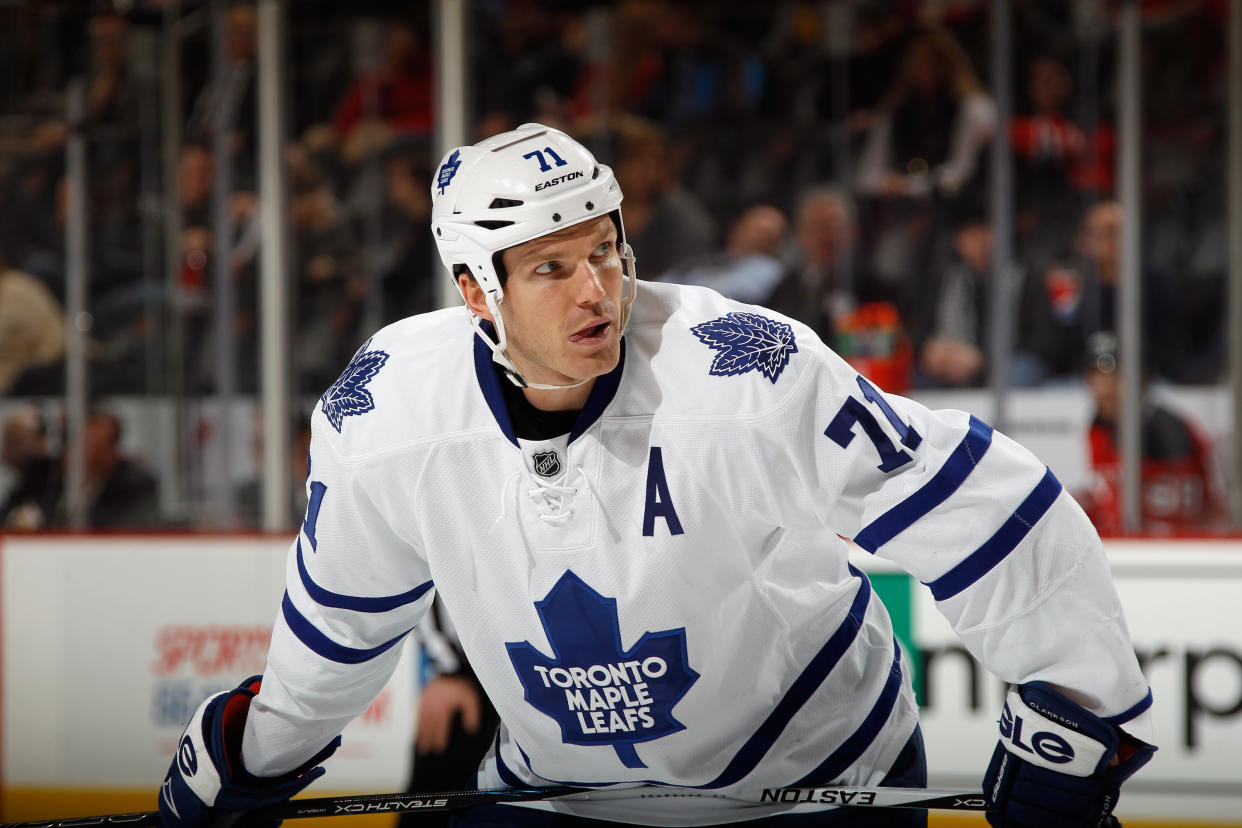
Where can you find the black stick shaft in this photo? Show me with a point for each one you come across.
(400, 803)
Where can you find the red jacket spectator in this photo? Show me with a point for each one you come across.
(1179, 493)
(401, 86)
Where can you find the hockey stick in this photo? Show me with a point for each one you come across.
(798, 800)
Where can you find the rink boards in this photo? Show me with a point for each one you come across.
(110, 641)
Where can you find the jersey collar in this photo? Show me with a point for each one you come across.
(490, 377)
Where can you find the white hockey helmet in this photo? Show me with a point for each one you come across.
(509, 189)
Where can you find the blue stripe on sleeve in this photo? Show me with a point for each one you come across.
(934, 492)
(858, 742)
(1137, 710)
(319, 643)
(994, 549)
(752, 752)
(382, 603)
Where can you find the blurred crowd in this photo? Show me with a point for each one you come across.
(829, 159)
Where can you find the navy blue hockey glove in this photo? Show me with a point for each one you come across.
(207, 784)
(1054, 764)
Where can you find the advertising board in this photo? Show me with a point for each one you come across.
(110, 643)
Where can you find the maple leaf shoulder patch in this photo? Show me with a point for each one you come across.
(348, 396)
(747, 342)
(598, 692)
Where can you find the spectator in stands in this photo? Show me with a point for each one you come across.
(687, 67)
(35, 473)
(952, 339)
(394, 98)
(823, 283)
(119, 493)
(32, 211)
(533, 62)
(1180, 490)
(826, 287)
(195, 176)
(408, 286)
(1099, 272)
(931, 125)
(1186, 140)
(662, 219)
(196, 279)
(922, 147)
(235, 100)
(749, 266)
(328, 281)
(32, 333)
(111, 100)
(1049, 151)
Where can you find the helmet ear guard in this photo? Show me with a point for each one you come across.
(510, 189)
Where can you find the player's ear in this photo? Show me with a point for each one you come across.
(475, 298)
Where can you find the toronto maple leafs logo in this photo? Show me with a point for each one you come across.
(348, 395)
(597, 692)
(447, 170)
(747, 341)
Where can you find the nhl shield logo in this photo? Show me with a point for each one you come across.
(546, 463)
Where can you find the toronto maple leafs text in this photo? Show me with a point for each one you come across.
(608, 698)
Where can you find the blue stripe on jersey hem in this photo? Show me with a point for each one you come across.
(319, 643)
(811, 678)
(945, 482)
(996, 548)
(1137, 710)
(511, 780)
(507, 776)
(858, 742)
(382, 603)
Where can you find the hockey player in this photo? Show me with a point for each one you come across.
(630, 498)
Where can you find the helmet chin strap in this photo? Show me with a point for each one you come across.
(500, 351)
(521, 381)
(500, 345)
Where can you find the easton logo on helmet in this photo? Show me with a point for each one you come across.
(560, 179)
(546, 463)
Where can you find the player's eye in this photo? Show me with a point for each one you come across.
(546, 268)
(604, 249)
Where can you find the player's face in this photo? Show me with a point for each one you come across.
(562, 308)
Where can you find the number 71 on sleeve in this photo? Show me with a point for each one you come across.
(841, 429)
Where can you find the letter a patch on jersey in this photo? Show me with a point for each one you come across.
(747, 342)
(659, 501)
(599, 693)
(348, 396)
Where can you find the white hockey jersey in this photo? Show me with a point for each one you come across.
(663, 596)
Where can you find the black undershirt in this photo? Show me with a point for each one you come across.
(530, 423)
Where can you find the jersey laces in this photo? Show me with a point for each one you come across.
(553, 499)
